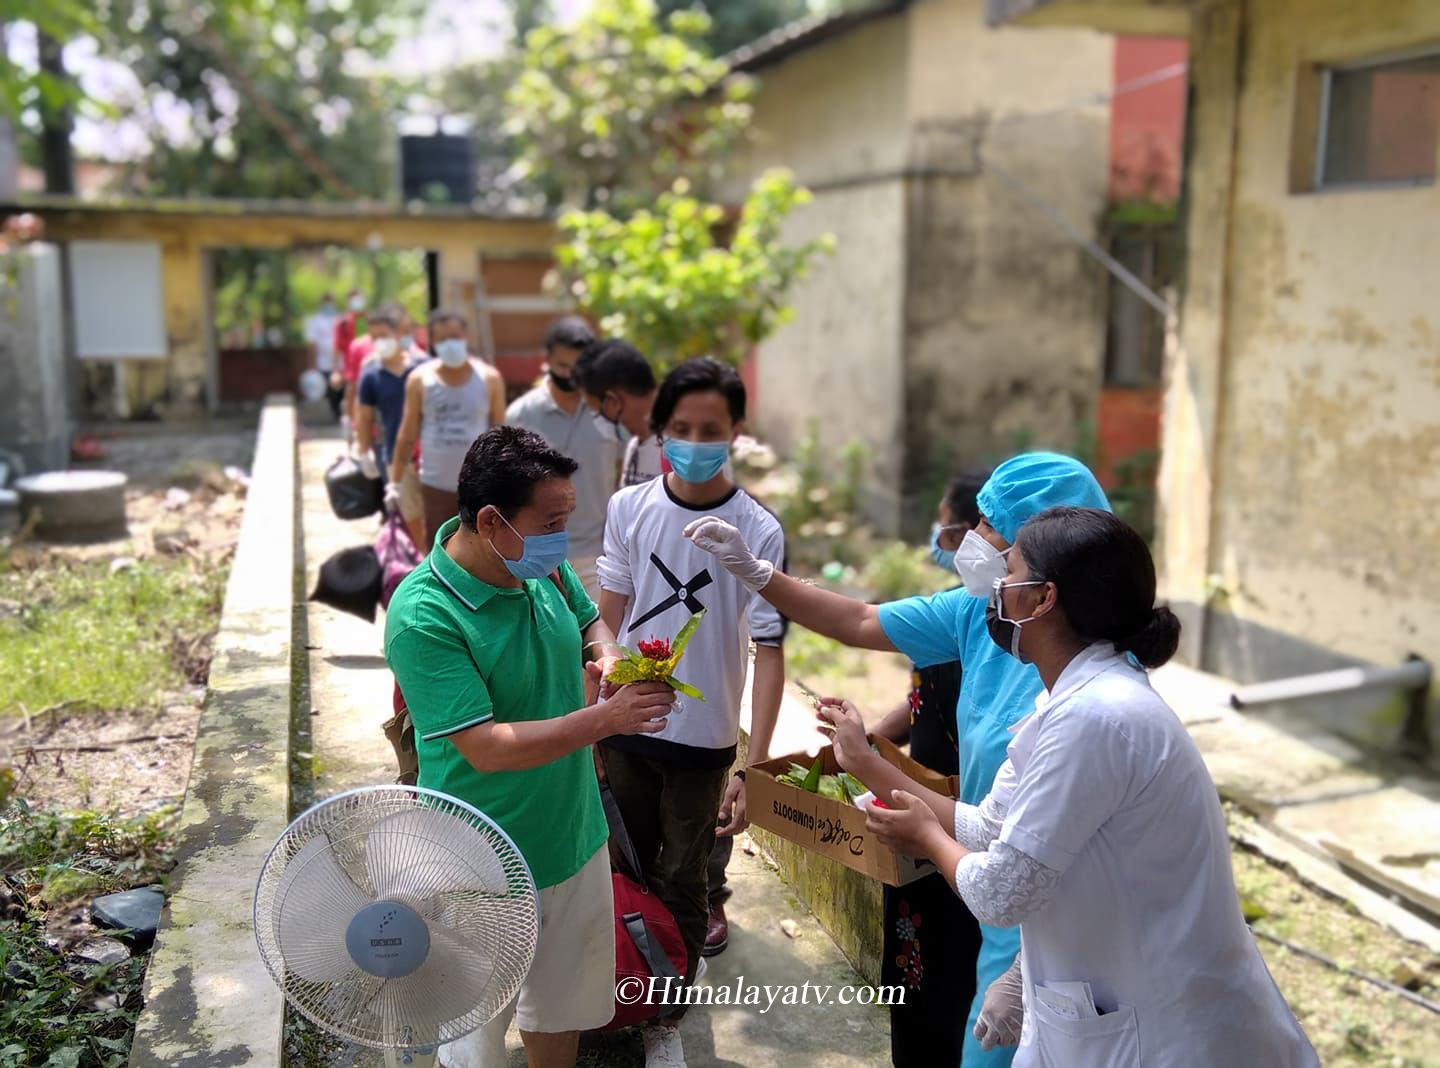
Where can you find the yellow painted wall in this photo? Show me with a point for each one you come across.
(185, 236)
(1309, 394)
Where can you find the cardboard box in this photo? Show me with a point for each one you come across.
(836, 829)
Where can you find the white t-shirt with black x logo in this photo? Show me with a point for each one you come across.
(667, 579)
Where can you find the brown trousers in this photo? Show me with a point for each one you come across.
(440, 505)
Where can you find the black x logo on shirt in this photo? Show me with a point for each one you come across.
(684, 591)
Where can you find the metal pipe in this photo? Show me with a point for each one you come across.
(1413, 675)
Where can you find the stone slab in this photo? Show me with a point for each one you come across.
(208, 997)
(1265, 768)
(1391, 836)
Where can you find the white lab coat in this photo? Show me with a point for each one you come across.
(1104, 785)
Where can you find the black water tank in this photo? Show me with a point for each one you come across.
(438, 168)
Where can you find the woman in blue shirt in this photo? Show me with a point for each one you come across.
(996, 689)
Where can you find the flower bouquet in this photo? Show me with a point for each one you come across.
(656, 659)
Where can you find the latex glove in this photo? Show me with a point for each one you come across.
(1002, 1011)
(727, 545)
(392, 498)
(368, 467)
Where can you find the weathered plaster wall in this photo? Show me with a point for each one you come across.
(1004, 320)
(835, 115)
(1317, 375)
(838, 366)
(954, 321)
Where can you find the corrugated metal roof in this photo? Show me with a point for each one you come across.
(807, 33)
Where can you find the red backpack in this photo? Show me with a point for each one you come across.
(648, 944)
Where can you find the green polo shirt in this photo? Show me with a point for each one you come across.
(465, 652)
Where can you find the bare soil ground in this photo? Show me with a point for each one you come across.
(186, 496)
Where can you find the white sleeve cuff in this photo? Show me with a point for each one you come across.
(613, 578)
(1003, 885)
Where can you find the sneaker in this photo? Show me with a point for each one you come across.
(662, 1047)
(717, 933)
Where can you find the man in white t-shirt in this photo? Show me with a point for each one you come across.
(670, 786)
(320, 333)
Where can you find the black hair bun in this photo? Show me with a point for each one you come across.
(1155, 642)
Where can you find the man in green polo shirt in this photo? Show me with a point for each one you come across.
(486, 640)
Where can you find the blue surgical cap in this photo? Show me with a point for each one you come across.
(1025, 485)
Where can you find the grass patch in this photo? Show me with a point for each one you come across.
(56, 1011)
(78, 632)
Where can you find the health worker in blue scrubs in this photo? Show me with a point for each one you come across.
(996, 689)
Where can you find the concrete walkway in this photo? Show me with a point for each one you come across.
(350, 691)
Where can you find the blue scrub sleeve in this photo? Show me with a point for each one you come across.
(926, 629)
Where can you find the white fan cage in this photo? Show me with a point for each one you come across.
(442, 858)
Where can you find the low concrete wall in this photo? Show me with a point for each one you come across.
(208, 998)
(850, 906)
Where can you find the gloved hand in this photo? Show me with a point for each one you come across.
(1002, 1011)
(727, 545)
(392, 498)
(368, 467)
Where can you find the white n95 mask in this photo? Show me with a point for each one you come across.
(979, 564)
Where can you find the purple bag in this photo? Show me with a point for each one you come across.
(396, 551)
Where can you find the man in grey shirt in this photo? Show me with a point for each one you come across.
(556, 411)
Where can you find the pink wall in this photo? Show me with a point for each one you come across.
(1147, 126)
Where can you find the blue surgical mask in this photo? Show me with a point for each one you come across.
(542, 553)
(944, 558)
(696, 461)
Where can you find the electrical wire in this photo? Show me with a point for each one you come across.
(1383, 984)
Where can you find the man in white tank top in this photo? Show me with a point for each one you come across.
(449, 402)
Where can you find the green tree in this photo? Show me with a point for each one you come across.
(612, 110)
(660, 280)
(734, 23)
(273, 104)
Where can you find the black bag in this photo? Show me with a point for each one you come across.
(352, 495)
(350, 581)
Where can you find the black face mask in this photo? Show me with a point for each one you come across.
(564, 383)
(1005, 632)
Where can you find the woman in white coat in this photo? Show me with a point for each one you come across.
(1102, 836)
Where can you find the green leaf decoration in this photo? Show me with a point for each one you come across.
(686, 689)
(682, 639)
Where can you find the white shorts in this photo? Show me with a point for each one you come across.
(571, 985)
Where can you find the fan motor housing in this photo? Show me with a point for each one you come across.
(388, 939)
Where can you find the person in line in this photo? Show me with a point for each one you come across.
(619, 385)
(486, 638)
(555, 410)
(449, 402)
(931, 941)
(1102, 835)
(381, 396)
(320, 333)
(348, 329)
(995, 690)
(670, 785)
